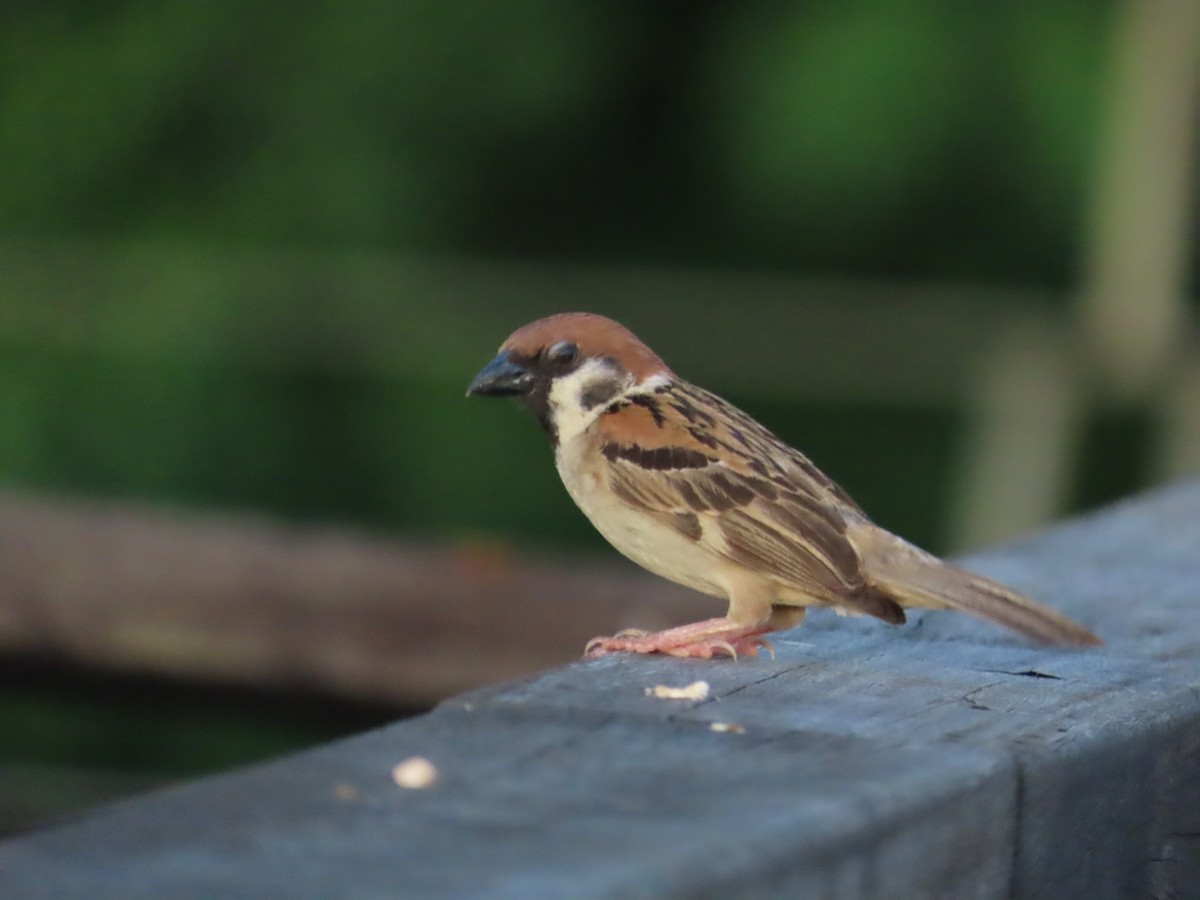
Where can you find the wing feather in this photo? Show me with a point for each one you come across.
(749, 522)
(712, 473)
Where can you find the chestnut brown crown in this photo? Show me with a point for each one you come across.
(593, 335)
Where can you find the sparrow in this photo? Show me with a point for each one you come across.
(690, 487)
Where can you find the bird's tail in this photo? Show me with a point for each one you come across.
(916, 578)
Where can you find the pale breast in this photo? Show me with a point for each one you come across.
(643, 539)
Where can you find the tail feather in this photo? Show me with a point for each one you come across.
(916, 578)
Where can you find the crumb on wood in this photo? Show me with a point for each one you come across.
(697, 690)
(414, 773)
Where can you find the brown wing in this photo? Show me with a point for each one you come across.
(717, 476)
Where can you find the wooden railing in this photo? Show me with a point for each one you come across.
(941, 759)
(248, 601)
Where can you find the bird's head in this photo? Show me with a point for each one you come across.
(568, 368)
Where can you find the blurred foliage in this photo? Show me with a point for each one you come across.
(869, 137)
(873, 136)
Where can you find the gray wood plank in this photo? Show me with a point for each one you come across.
(943, 759)
(543, 803)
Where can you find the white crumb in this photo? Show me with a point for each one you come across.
(416, 772)
(727, 727)
(697, 690)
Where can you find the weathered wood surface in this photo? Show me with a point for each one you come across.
(943, 759)
(246, 600)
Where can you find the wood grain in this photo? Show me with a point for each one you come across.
(247, 600)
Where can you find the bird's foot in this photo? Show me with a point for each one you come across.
(703, 640)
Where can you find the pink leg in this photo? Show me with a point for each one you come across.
(700, 639)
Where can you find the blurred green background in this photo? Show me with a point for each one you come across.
(256, 177)
(251, 254)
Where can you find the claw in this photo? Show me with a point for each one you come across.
(762, 642)
(704, 640)
(722, 645)
(630, 633)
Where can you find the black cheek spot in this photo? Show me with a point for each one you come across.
(599, 393)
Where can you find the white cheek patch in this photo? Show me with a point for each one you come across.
(574, 398)
(652, 384)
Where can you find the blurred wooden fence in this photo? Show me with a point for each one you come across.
(246, 601)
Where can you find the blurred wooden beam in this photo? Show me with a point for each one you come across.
(1024, 439)
(241, 599)
(1133, 302)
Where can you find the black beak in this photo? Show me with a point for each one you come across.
(501, 377)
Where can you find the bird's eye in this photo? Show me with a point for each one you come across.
(562, 353)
